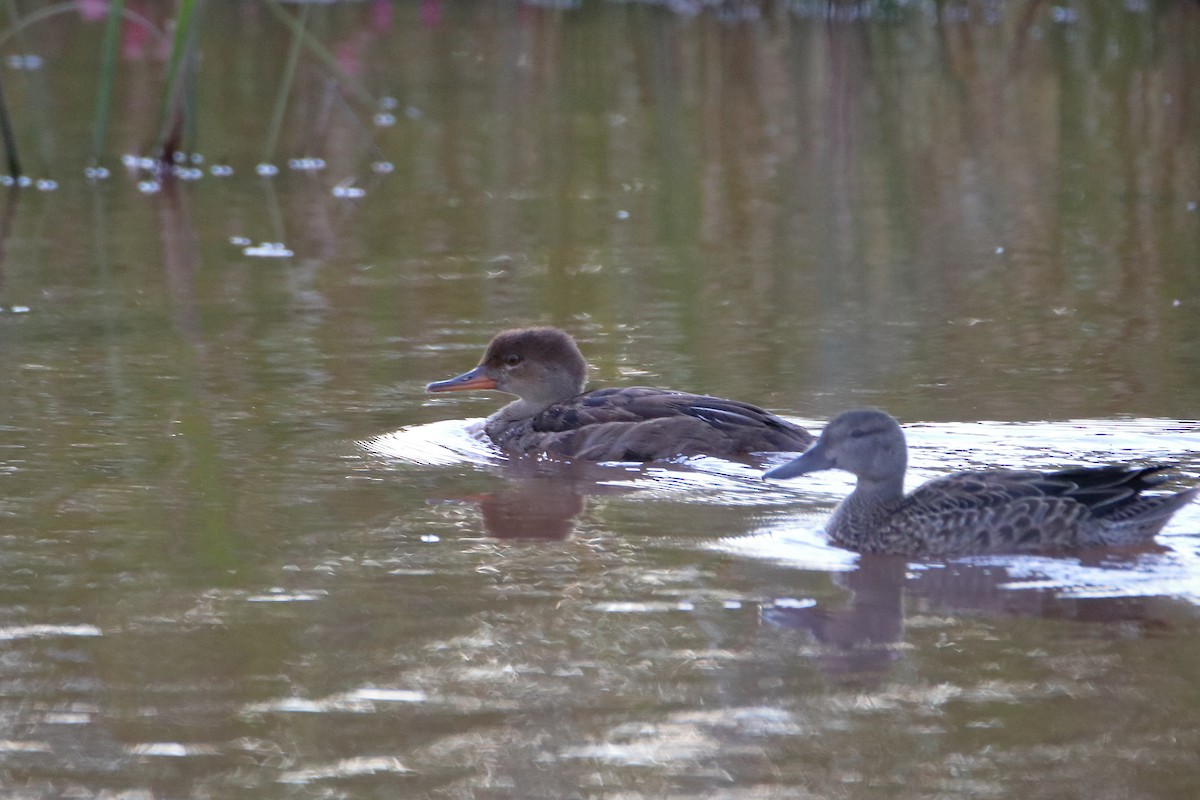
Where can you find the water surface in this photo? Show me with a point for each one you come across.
(244, 554)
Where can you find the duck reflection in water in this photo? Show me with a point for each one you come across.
(983, 511)
(864, 638)
(532, 509)
(542, 499)
(553, 415)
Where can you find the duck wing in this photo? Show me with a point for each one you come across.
(1016, 510)
(645, 424)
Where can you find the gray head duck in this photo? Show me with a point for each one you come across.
(553, 415)
(983, 511)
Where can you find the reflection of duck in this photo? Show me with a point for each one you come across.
(986, 511)
(865, 636)
(535, 510)
(545, 370)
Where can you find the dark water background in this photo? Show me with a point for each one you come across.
(242, 554)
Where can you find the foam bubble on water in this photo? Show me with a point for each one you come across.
(267, 250)
(26, 62)
(306, 164)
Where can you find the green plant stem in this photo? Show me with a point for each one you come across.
(322, 53)
(169, 121)
(10, 141)
(108, 76)
(285, 86)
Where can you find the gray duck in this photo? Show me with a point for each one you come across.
(982, 511)
(553, 415)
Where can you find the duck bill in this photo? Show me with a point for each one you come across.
(475, 379)
(812, 460)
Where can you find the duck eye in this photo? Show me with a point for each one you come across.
(512, 359)
(857, 433)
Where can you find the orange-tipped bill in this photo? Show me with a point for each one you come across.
(475, 379)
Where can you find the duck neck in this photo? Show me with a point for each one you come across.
(518, 410)
(871, 499)
(870, 493)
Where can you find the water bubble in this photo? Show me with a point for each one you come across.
(96, 173)
(388, 103)
(430, 537)
(349, 191)
(220, 170)
(267, 170)
(792, 602)
(26, 62)
(383, 120)
(178, 157)
(147, 163)
(268, 250)
(1191, 206)
(129, 160)
(239, 241)
(1064, 15)
(148, 187)
(25, 309)
(382, 167)
(622, 214)
(306, 164)
(24, 180)
(6, 180)
(1000, 250)
(46, 185)
(197, 158)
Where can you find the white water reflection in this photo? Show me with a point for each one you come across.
(934, 449)
(437, 444)
(792, 529)
(346, 768)
(46, 631)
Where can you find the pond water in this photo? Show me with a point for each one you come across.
(245, 555)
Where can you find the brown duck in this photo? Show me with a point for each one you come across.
(553, 415)
(984, 511)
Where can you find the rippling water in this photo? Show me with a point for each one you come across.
(243, 554)
(794, 535)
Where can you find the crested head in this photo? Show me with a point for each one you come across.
(535, 363)
(540, 365)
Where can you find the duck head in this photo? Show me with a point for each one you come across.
(866, 442)
(540, 365)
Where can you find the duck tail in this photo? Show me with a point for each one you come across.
(1148, 516)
